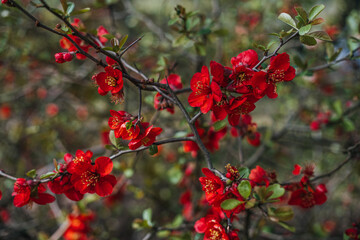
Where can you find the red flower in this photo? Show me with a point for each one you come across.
(67, 44)
(146, 138)
(279, 70)
(354, 232)
(95, 178)
(204, 94)
(211, 227)
(80, 161)
(101, 31)
(62, 184)
(259, 176)
(27, 191)
(110, 80)
(78, 226)
(240, 106)
(242, 70)
(306, 197)
(220, 74)
(297, 169)
(161, 103)
(212, 186)
(128, 133)
(117, 119)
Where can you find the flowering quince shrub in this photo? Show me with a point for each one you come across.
(247, 191)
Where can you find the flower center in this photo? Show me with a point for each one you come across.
(89, 178)
(277, 76)
(214, 234)
(111, 81)
(308, 200)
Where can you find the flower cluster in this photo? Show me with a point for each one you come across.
(234, 91)
(63, 57)
(303, 193)
(67, 44)
(110, 81)
(247, 128)
(321, 120)
(354, 232)
(161, 103)
(79, 175)
(130, 128)
(28, 191)
(210, 139)
(78, 226)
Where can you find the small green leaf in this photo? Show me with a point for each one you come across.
(320, 35)
(108, 36)
(251, 203)
(287, 227)
(147, 215)
(301, 21)
(57, 11)
(200, 49)
(81, 11)
(348, 124)
(317, 21)
(284, 213)
(123, 41)
(316, 10)
(218, 125)
(153, 149)
(31, 173)
(244, 189)
(305, 29)
(338, 107)
(286, 18)
(128, 125)
(244, 172)
(276, 189)
(173, 21)
(335, 55)
(302, 13)
(308, 40)
(259, 46)
(64, 4)
(230, 204)
(70, 8)
(48, 175)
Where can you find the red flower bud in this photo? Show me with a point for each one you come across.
(68, 57)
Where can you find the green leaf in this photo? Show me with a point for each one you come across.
(70, 8)
(308, 40)
(123, 41)
(64, 4)
(57, 11)
(301, 21)
(244, 172)
(128, 125)
(276, 189)
(251, 203)
(316, 10)
(147, 215)
(348, 124)
(317, 21)
(48, 175)
(244, 189)
(335, 55)
(287, 227)
(173, 21)
(338, 107)
(31, 173)
(81, 11)
(221, 32)
(108, 36)
(230, 204)
(218, 125)
(320, 35)
(305, 29)
(286, 18)
(200, 49)
(302, 13)
(153, 149)
(284, 213)
(259, 46)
